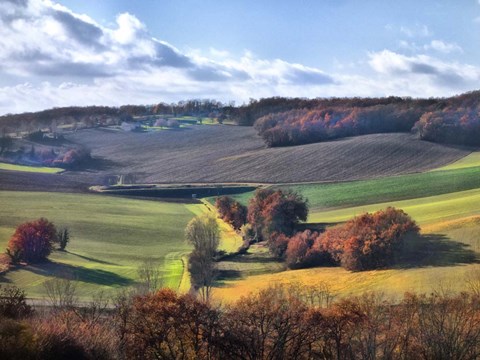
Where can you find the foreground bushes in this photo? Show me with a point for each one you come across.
(276, 323)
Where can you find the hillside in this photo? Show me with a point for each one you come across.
(237, 154)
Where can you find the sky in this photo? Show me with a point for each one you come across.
(117, 52)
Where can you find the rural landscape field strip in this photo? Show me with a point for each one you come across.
(111, 236)
(237, 154)
(425, 210)
(34, 169)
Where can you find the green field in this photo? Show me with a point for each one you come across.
(352, 193)
(425, 210)
(37, 169)
(111, 236)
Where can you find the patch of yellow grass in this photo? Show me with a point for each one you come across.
(392, 282)
(343, 283)
(471, 160)
(36, 169)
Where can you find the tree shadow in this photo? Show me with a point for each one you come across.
(90, 258)
(229, 274)
(66, 271)
(434, 250)
(95, 164)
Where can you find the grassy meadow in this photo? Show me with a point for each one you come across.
(111, 236)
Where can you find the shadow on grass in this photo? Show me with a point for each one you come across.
(92, 276)
(90, 258)
(434, 250)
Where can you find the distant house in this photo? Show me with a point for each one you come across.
(126, 126)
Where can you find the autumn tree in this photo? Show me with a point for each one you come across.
(369, 241)
(231, 211)
(276, 212)
(33, 240)
(204, 235)
(164, 325)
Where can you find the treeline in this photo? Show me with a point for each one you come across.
(104, 115)
(453, 120)
(294, 322)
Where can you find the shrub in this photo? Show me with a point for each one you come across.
(369, 241)
(13, 303)
(33, 240)
(304, 250)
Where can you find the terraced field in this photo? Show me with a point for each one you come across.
(237, 154)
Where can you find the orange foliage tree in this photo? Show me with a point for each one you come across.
(231, 211)
(369, 241)
(33, 240)
(273, 212)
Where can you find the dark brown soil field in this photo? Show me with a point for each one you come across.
(237, 154)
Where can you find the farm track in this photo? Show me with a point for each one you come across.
(236, 154)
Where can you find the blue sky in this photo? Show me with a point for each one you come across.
(113, 52)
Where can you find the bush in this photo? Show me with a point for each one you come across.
(369, 241)
(13, 303)
(33, 240)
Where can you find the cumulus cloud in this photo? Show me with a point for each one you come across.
(51, 56)
(424, 69)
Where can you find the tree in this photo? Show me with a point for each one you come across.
(204, 235)
(33, 240)
(369, 241)
(149, 276)
(164, 325)
(63, 238)
(231, 211)
(276, 211)
(5, 143)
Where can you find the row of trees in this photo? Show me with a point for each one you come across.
(304, 126)
(276, 323)
(369, 241)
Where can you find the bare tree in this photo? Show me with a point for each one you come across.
(149, 276)
(61, 292)
(204, 235)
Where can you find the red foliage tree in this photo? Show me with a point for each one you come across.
(164, 325)
(231, 211)
(276, 211)
(33, 240)
(369, 241)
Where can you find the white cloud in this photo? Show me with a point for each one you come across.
(423, 71)
(51, 56)
(416, 30)
(443, 47)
